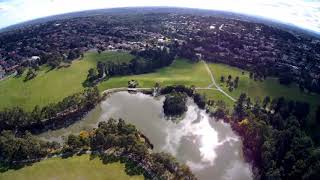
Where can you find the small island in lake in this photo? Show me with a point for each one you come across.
(175, 104)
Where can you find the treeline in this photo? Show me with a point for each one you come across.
(55, 58)
(116, 140)
(18, 120)
(275, 139)
(144, 62)
(112, 141)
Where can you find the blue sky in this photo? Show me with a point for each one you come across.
(302, 13)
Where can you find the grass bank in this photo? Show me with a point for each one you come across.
(78, 167)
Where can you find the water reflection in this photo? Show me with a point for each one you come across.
(210, 148)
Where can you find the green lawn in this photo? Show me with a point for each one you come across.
(121, 57)
(269, 87)
(75, 168)
(52, 86)
(216, 96)
(180, 72)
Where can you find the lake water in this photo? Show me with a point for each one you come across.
(210, 148)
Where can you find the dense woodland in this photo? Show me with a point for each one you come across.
(274, 138)
(273, 132)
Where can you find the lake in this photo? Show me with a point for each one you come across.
(209, 147)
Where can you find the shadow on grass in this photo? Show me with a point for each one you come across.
(7, 167)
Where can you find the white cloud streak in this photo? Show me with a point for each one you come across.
(302, 13)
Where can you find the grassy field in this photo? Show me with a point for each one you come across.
(180, 72)
(76, 168)
(216, 96)
(52, 86)
(269, 87)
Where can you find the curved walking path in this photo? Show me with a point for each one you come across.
(215, 84)
(212, 86)
(112, 90)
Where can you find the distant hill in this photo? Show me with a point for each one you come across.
(277, 24)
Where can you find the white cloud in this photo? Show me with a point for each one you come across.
(303, 13)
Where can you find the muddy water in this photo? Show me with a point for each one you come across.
(210, 148)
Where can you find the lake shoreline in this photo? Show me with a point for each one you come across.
(194, 128)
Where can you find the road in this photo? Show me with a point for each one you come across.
(215, 84)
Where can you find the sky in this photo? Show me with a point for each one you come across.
(302, 13)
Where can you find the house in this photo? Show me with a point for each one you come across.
(34, 58)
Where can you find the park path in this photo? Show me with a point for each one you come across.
(215, 84)
(210, 87)
(124, 89)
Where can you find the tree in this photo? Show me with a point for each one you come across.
(251, 75)
(200, 100)
(20, 70)
(238, 109)
(222, 79)
(231, 84)
(236, 82)
(74, 142)
(265, 102)
(318, 114)
(285, 78)
(53, 59)
(230, 88)
(301, 87)
(229, 79)
(175, 104)
(219, 113)
(25, 147)
(101, 69)
(74, 54)
(92, 74)
(30, 75)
